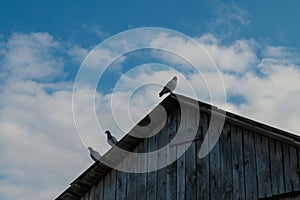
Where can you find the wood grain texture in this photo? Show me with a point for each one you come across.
(181, 173)
(121, 189)
(142, 167)
(202, 164)
(277, 171)
(237, 163)
(190, 157)
(263, 166)
(242, 165)
(294, 170)
(215, 168)
(161, 161)
(152, 164)
(226, 162)
(171, 169)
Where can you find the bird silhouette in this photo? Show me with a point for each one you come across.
(112, 141)
(95, 155)
(169, 87)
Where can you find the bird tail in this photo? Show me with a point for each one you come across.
(164, 91)
(160, 94)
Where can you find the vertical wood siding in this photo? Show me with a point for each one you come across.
(242, 165)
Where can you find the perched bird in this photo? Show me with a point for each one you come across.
(170, 87)
(95, 155)
(111, 139)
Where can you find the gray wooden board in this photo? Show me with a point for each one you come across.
(190, 172)
(287, 167)
(162, 139)
(237, 163)
(263, 166)
(277, 172)
(181, 187)
(190, 158)
(109, 186)
(294, 175)
(180, 173)
(121, 189)
(86, 195)
(171, 169)
(202, 164)
(215, 166)
(250, 166)
(142, 167)
(226, 162)
(131, 178)
(298, 151)
(92, 193)
(99, 190)
(152, 163)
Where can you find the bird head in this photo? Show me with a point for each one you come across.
(107, 132)
(175, 78)
(90, 148)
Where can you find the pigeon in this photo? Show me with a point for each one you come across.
(170, 87)
(95, 155)
(111, 139)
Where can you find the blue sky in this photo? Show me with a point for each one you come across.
(276, 21)
(255, 45)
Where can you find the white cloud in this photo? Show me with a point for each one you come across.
(39, 147)
(277, 52)
(228, 14)
(269, 85)
(38, 139)
(31, 56)
(236, 57)
(38, 142)
(272, 98)
(78, 53)
(229, 19)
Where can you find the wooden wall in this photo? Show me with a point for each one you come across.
(242, 165)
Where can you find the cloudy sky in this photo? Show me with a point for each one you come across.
(255, 46)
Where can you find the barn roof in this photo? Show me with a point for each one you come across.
(98, 170)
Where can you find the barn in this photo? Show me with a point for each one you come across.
(250, 160)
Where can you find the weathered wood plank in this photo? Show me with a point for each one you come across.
(152, 164)
(237, 162)
(181, 187)
(180, 151)
(131, 182)
(250, 166)
(263, 166)
(202, 164)
(190, 172)
(99, 190)
(298, 151)
(109, 186)
(113, 183)
(92, 193)
(226, 162)
(190, 157)
(287, 168)
(87, 195)
(294, 169)
(215, 165)
(142, 167)
(277, 172)
(162, 139)
(171, 169)
(121, 183)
